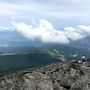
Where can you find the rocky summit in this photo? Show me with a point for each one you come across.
(57, 76)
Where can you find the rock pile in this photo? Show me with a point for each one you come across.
(58, 76)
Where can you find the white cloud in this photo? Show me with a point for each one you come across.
(45, 32)
(84, 30)
(6, 28)
(52, 9)
(73, 33)
(13, 9)
(78, 32)
(70, 12)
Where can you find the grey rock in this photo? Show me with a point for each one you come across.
(57, 76)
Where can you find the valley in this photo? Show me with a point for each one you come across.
(30, 57)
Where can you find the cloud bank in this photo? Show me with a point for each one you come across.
(65, 12)
(52, 9)
(44, 31)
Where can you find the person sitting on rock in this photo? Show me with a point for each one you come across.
(83, 58)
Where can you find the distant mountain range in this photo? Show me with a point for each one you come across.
(23, 59)
(16, 59)
(82, 43)
(18, 53)
(15, 42)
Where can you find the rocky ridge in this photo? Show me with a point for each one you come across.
(58, 76)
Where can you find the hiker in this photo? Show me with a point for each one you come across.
(83, 58)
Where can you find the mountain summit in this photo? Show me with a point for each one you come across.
(57, 76)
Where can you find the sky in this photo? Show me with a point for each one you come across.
(51, 21)
(60, 12)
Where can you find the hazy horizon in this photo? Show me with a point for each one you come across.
(58, 22)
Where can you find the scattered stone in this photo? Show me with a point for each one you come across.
(57, 76)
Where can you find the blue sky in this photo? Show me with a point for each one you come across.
(38, 19)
